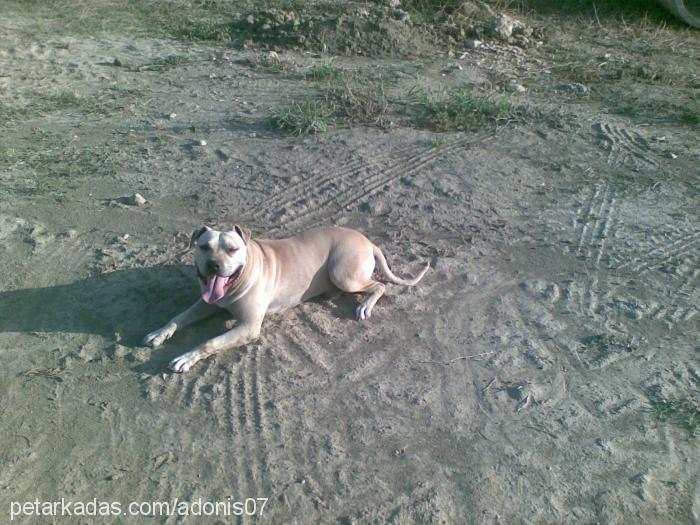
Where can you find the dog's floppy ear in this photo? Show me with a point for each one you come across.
(197, 234)
(243, 232)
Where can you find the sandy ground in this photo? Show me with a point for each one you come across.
(515, 384)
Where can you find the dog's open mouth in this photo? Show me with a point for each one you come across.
(216, 285)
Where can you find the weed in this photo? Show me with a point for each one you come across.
(52, 170)
(462, 110)
(660, 110)
(358, 102)
(310, 116)
(684, 413)
(62, 101)
(604, 344)
(324, 72)
(165, 63)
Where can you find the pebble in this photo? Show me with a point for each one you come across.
(393, 3)
(170, 116)
(501, 26)
(137, 200)
(71, 234)
(514, 87)
(223, 154)
(505, 27)
(201, 142)
(473, 44)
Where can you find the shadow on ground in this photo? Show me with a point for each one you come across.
(128, 302)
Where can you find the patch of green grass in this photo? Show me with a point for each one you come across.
(324, 72)
(43, 104)
(604, 344)
(55, 169)
(353, 100)
(425, 11)
(597, 72)
(687, 113)
(359, 102)
(462, 110)
(165, 63)
(683, 413)
(193, 20)
(302, 118)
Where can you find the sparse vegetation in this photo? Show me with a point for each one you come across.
(302, 118)
(683, 413)
(358, 102)
(604, 344)
(462, 110)
(324, 72)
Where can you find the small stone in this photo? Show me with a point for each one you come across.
(141, 355)
(514, 87)
(252, 135)
(120, 351)
(457, 66)
(170, 116)
(504, 27)
(223, 154)
(139, 199)
(501, 26)
(71, 234)
(393, 3)
(201, 142)
(472, 44)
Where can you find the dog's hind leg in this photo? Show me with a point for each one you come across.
(375, 290)
(350, 270)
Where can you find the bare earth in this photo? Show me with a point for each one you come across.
(520, 382)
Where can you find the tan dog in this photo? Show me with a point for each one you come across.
(253, 277)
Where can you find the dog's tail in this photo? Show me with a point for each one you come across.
(386, 272)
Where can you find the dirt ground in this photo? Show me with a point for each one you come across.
(544, 371)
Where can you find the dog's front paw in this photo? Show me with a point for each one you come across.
(157, 338)
(184, 362)
(363, 312)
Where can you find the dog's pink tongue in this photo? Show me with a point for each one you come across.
(215, 289)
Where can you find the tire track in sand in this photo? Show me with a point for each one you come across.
(359, 187)
(682, 305)
(623, 144)
(255, 432)
(681, 247)
(290, 194)
(595, 222)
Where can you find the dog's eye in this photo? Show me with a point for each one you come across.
(204, 247)
(231, 251)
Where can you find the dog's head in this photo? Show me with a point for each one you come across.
(219, 258)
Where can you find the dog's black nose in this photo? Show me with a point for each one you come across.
(213, 266)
